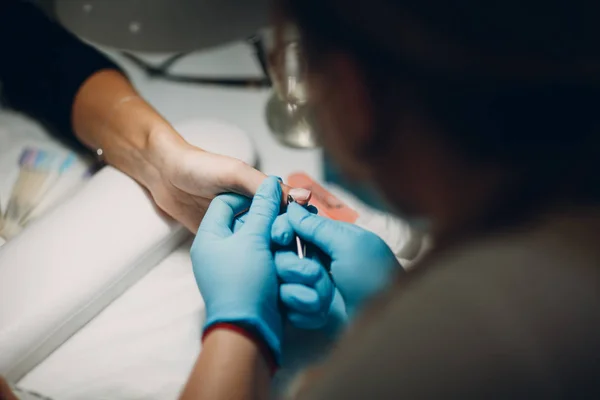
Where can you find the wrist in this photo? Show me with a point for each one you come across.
(109, 114)
(163, 149)
(248, 332)
(267, 325)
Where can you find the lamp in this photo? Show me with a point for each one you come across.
(162, 25)
(182, 26)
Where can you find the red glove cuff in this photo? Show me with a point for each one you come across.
(266, 352)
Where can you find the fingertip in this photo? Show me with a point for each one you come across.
(300, 195)
(221, 212)
(236, 202)
(297, 214)
(281, 231)
(296, 210)
(320, 231)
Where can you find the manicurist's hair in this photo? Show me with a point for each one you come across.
(514, 83)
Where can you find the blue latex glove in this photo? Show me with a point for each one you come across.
(235, 272)
(361, 263)
(306, 289)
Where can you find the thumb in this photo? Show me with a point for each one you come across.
(320, 231)
(265, 207)
(246, 180)
(220, 215)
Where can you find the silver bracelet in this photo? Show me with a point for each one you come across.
(100, 155)
(99, 151)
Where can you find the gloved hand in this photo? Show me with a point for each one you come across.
(301, 348)
(235, 272)
(307, 293)
(306, 289)
(361, 263)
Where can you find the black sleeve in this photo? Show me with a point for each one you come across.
(42, 65)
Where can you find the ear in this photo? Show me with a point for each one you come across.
(345, 110)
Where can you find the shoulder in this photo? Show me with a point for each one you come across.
(556, 251)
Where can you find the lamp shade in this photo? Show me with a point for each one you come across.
(162, 25)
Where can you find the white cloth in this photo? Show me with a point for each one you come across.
(67, 266)
(64, 268)
(145, 343)
(142, 346)
(16, 133)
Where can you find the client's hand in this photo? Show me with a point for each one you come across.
(190, 178)
(361, 262)
(235, 272)
(108, 114)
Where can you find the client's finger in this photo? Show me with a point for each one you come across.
(245, 180)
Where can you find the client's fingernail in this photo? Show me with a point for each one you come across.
(279, 178)
(300, 194)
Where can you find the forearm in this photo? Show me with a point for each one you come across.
(108, 114)
(230, 367)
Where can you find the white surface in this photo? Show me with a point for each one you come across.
(142, 346)
(16, 133)
(71, 276)
(64, 268)
(144, 343)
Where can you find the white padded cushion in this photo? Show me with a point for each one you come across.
(66, 267)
